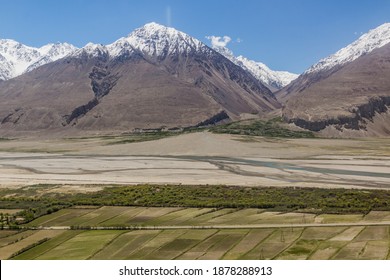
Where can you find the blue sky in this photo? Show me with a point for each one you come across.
(285, 35)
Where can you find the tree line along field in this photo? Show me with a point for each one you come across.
(145, 233)
(37, 200)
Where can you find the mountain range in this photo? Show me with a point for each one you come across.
(17, 59)
(157, 77)
(160, 78)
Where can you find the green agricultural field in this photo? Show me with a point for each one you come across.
(81, 246)
(97, 216)
(321, 233)
(126, 217)
(21, 245)
(13, 238)
(47, 246)
(198, 233)
(126, 244)
(60, 218)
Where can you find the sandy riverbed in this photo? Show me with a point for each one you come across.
(199, 158)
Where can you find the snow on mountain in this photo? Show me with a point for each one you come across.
(368, 42)
(153, 40)
(16, 58)
(5, 68)
(273, 79)
(156, 40)
(50, 53)
(92, 50)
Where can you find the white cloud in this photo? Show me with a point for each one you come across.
(238, 40)
(217, 41)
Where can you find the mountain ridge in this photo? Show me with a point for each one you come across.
(368, 42)
(373, 39)
(274, 80)
(10, 67)
(17, 58)
(143, 80)
(351, 99)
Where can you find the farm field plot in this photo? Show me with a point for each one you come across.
(248, 247)
(5, 233)
(377, 216)
(279, 241)
(39, 250)
(125, 244)
(63, 217)
(347, 218)
(182, 216)
(327, 250)
(13, 238)
(37, 236)
(81, 246)
(138, 215)
(198, 233)
(97, 216)
(149, 248)
(321, 233)
(10, 211)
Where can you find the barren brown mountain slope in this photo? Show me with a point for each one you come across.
(353, 100)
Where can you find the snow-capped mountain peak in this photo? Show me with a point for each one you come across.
(57, 50)
(50, 53)
(16, 58)
(156, 40)
(368, 42)
(153, 29)
(12, 50)
(152, 39)
(92, 50)
(273, 79)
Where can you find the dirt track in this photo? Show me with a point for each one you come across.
(251, 226)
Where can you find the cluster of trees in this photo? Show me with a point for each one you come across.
(271, 198)
(270, 128)
(6, 220)
(278, 199)
(30, 209)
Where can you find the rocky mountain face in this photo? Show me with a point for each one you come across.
(346, 94)
(157, 77)
(274, 80)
